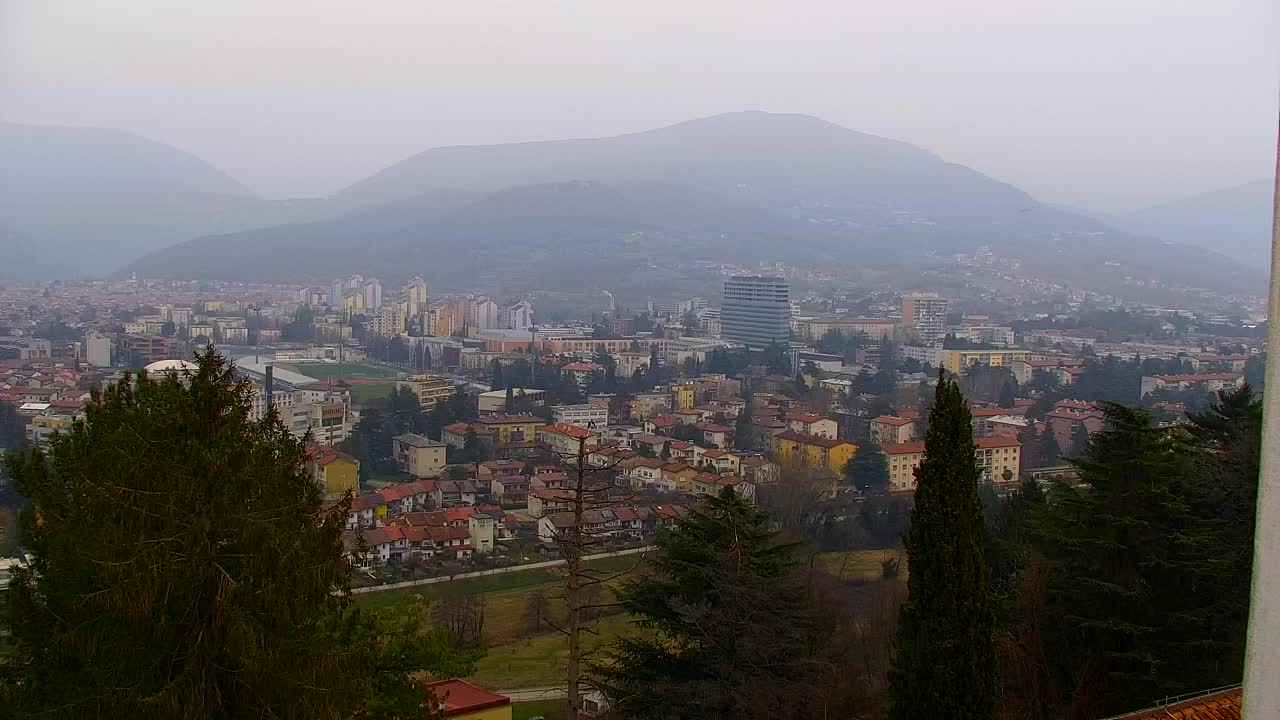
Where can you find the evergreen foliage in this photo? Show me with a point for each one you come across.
(184, 567)
(945, 666)
(737, 632)
(868, 470)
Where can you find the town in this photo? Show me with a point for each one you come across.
(456, 423)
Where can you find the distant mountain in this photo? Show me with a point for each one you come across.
(93, 199)
(641, 208)
(1235, 221)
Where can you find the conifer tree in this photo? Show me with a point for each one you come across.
(737, 634)
(1134, 569)
(184, 566)
(945, 664)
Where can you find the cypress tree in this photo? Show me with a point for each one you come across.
(945, 664)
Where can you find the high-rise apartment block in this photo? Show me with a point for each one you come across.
(924, 316)
(756, 311)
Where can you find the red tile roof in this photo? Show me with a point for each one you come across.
(810, 439)
(1198, 378)
(572, 431)
(1225, 705)
(459, 697)
(892, 420)
(582, 367)
(997, 441)
(713, 428)
(906, 448)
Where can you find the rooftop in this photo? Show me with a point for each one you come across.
(459, 697)
(418, 441)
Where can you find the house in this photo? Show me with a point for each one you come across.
(455, 434)
(720, 460)
(335, 473)
(661, 424)
(482, 530)
(713, 435)
(678, 475)
(715, 483)
(758, 471)
(1067, 414)
(813, 451)
(550, 501)
(597, 524)
(763, 430)
(996, 457)
(1208, 362)
(891, 429)
(581, 373)
(510, 490)
(651, 445)
(418, 455)
(811, 424)
(364, 511)
(460, 700)
(565, 441)
(450, 493)
(544, 480)
(489, 469)
(644, 472)
(681, 451)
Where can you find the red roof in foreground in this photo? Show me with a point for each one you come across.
(459, 697)
(1225, 705)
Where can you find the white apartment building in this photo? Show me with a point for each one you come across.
(584, 416)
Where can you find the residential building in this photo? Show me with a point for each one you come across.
(587, 416)
(335, 473)
(999, 460)
(418, 455)
(429, 389)
(1204, 382)
(509, 428)
(682, 396)
(97, 350)
(1066, 415)
(924, 316)
(716, 436)
(509, 490)
(956, 361)
(581, 373)
(647, 405)
(495, 401)
(1212, 363)
(890, 429)
(516, 317)
(812, 424)
(145, 349)
(878, 329)
(756, 311)
(813, 451)
(565, 441)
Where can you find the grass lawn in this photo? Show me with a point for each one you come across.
(859, 564)
(522, 581)
(539, 661)
(549, 709)
(365, 393)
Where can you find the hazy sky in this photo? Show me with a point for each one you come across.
(1104, 103)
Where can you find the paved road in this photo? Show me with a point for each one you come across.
(495, 571)
(534, 694)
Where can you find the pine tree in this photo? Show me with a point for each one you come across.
(496, 380)
(1134, 571)
(1008, 393)
(945, 664)
(184, 567)
(736, 632)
